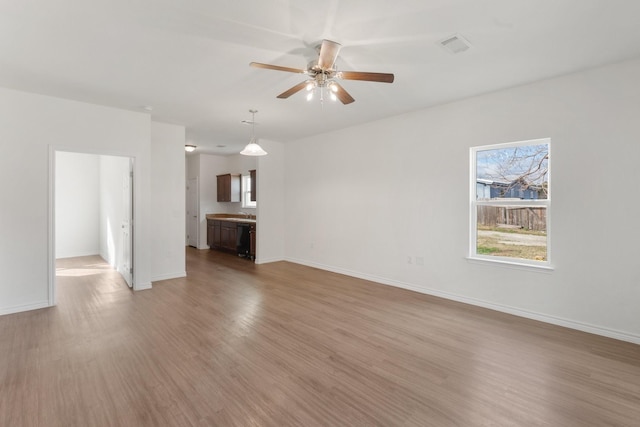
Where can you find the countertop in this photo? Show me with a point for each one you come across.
(233, 218)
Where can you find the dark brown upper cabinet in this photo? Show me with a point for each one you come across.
(229, 187)
(252, 175)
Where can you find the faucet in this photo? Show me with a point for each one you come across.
(247, 215)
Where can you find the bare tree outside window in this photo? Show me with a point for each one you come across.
(511, 203)
(522, 167)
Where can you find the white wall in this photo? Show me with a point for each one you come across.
(167, 201)
(32, 127)
(361, 200)
(77, 205)
(271, 231)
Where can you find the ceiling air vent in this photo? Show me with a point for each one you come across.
(455, 44)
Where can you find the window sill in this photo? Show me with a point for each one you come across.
(511, 264)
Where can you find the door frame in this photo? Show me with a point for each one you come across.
(51, 223)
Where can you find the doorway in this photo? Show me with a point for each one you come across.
(93, 213)
(192, 212)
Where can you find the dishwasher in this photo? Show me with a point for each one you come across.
(243, 244)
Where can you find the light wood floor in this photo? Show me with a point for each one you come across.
(238, 344)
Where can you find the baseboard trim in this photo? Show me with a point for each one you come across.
(168, 276)
(554, 320)
(268, 260)
(24, 307)
(142, 286)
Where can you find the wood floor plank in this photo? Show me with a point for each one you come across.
(240, 344)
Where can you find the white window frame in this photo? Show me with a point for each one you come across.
(246, 193)
(474, 203)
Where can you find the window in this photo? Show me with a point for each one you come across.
(510, 202)
(246, 192)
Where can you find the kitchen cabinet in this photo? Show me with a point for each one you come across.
(228, 235)
(252, 175)
(222, 234)
(234, 235)
(211, 232)
(228, 187)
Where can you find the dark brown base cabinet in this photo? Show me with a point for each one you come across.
(223, 235)
(213, 233)
(229, 235)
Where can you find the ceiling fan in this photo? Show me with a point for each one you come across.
(323, 74)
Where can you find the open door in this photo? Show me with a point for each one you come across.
(126, 262)
(192, 212)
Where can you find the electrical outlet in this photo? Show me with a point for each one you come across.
(409, 261)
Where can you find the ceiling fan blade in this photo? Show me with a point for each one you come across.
(370, 77)
(343, 95)
(277, 68)
(328, 54)
(289, 92)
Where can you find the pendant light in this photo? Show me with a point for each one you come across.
(252, 148)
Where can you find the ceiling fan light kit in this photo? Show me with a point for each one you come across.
(331, 86)
(323, 75)
(252, 148)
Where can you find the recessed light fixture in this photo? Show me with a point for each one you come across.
(220, 145)
(148, 108)
(189, 148)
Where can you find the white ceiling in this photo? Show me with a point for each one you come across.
(189, 59)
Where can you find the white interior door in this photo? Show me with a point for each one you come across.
(192, 212)
(126, 261)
